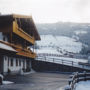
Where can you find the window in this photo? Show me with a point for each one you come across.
(16, 62)
(3, 38)
(5, 57)
(11, 62)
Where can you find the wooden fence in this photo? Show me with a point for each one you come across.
(63, 62)
(77, 77)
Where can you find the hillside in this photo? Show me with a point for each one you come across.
(80, 30)
(58, 45)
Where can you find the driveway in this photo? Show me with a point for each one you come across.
(36, 81)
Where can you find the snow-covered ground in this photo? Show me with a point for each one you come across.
(61, 43)
(60, 49)
(69, 44)
(83, 85)
(71, 59)
(48, 50)
(55, 52)
(78, 32)
(26, 73)
(7, 82)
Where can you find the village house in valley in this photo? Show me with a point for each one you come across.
(18, 34)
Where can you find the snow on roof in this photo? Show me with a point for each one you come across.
(6, 47)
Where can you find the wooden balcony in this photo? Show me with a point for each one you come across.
(27, 54)
(20, 51)
(22, 34)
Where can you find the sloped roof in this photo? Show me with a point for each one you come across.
(6, 47)
(26, 20)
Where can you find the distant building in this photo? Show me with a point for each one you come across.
(17, 34)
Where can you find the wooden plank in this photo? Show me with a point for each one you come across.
(30, 55)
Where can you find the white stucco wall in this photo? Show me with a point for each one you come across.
(1, 36)
(13, 68)
(5, 66)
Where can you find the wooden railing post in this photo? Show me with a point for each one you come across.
(36, 57)
(62, 61)
(83, 66)
(77, 77)
(74, 80)
(72, 63)
(53, 60)
(45, 58)
(84, 75)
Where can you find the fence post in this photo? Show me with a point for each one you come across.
(77, 76)
(84, 75)
(72, 63)
(45, 58)
(62, 61)
(53, 60)
(37, 57)
(83, 66)
(75, 80)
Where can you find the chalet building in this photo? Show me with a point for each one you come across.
(18, 34)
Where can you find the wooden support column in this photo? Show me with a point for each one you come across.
(33, 47)
(11, 37)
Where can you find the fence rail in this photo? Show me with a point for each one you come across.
(62, 61)
(77, 77)
(55, 60)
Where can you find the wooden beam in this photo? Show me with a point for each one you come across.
(21, 16)
(29, 55)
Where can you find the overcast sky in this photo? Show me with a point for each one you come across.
(49, 11)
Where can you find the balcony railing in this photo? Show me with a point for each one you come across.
(22, 34)
(21, 51)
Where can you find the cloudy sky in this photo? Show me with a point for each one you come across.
(49, 11)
